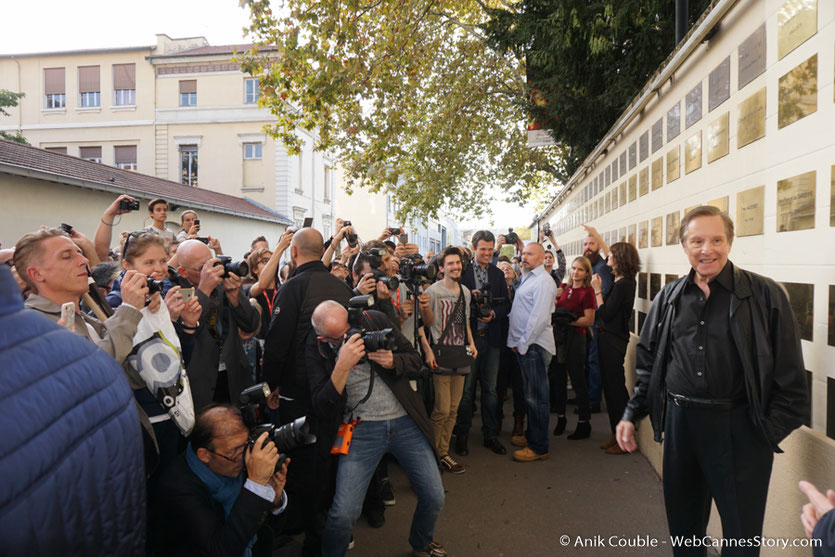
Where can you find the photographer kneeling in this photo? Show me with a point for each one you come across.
(372, 396)
(214, 498)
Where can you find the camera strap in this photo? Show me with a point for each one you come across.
(371, 374)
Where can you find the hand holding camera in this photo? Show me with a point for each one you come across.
(123, 204)
(278, 481)
(210, 276)
(352, 351)
(134, 289)
(384, 358)
(261, 458)
(367, 284)
(174, 302)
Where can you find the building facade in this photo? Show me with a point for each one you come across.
(180, 110)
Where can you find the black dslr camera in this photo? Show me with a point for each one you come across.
(350, 237)
(377, 254)
(128, 205)
(482, 305)
(154, 286)
(383, 339)
(240, 268)
(511, 237)
(286, 438)
(414, 271)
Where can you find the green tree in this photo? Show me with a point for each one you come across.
(406, 94)
(586, 59)
(10, 99)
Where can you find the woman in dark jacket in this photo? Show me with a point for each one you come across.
(613, 314)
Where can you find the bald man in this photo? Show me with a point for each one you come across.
(284, 367)
(530, 336)
(218, 369)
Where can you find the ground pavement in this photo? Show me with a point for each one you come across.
(501, 508)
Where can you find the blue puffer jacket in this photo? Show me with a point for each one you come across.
(72, 478)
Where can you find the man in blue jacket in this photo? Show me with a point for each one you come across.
(487, 333)
(73, 472)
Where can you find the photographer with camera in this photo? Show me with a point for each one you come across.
(550, 256)
(104, 231)
(373, 275)
(490, 308)
(213, 500)
(189, 226)
(218, 364)
(359, 366)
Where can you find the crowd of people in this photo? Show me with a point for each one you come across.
(357, 355)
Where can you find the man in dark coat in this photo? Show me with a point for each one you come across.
(721, 374)
(72, 466)
(205, 504)
(285, 370)
(218, 369)
(373, 392)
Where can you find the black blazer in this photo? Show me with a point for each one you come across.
(186, 521)
(498, 288)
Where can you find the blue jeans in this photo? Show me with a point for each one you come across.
(534, 366)
(370, 442)
(486, 369)
(593, 370)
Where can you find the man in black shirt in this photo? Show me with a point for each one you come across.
(720, 371)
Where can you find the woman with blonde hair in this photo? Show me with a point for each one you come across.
(577, 297)
(189, 226)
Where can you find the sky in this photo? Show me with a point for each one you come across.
(50, 25)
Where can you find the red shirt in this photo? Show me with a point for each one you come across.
(577, 300)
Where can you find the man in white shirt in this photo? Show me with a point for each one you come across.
(532, 339)
(158, 211)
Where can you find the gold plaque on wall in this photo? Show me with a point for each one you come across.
(614, 194)
(693, 153)
(622, 196)
(751, 119)
(673, 164)
(643, 234)
(717, 138)
(721, 204)
(797, 93)
(797, 20)
(605, 204)
(657, 174)
(630, 235)
(673, 222)
(633, 188)
(643, 181)
(657, 237)
(749, 211)
(796, 202)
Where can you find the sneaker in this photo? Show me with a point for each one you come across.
(376, 517)
(433, 550)
(388, 493)
(451, 466)
(527, 455)
(351, 543)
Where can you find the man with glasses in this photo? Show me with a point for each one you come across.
(214, 498)
(218, 369)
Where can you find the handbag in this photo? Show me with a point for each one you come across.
(450, 357)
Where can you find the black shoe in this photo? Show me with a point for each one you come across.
(387, 493)
(561, 423)
(583, 431)
(461, 445)
(376, 517)
(495, 446)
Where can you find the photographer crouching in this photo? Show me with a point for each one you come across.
(215, 496)
(370, 395)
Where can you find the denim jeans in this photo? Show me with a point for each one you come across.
(593, 370)
(370, 442)
(486, 369)
(534, 366)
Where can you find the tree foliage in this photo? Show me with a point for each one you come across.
(10, 99)
(587, 59)
(406, 94)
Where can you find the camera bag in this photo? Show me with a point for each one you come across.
(451, 358)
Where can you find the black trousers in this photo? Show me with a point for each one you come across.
(510, 376)
(719, 455)
(611, 351)
(574, 367)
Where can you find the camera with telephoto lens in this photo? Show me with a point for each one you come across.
(414, 271)
(128, 205)
(240, 268)
(350, 237)
(392, 283)
(384, 339)
(511, 237)
(286, 438)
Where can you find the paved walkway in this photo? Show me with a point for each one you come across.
(501, 508)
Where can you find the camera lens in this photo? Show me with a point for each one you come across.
(154, 286)
(293, 435)
(379, 340)
(392, 283)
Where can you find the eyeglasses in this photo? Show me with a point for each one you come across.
(239, 452)
(135, 234)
